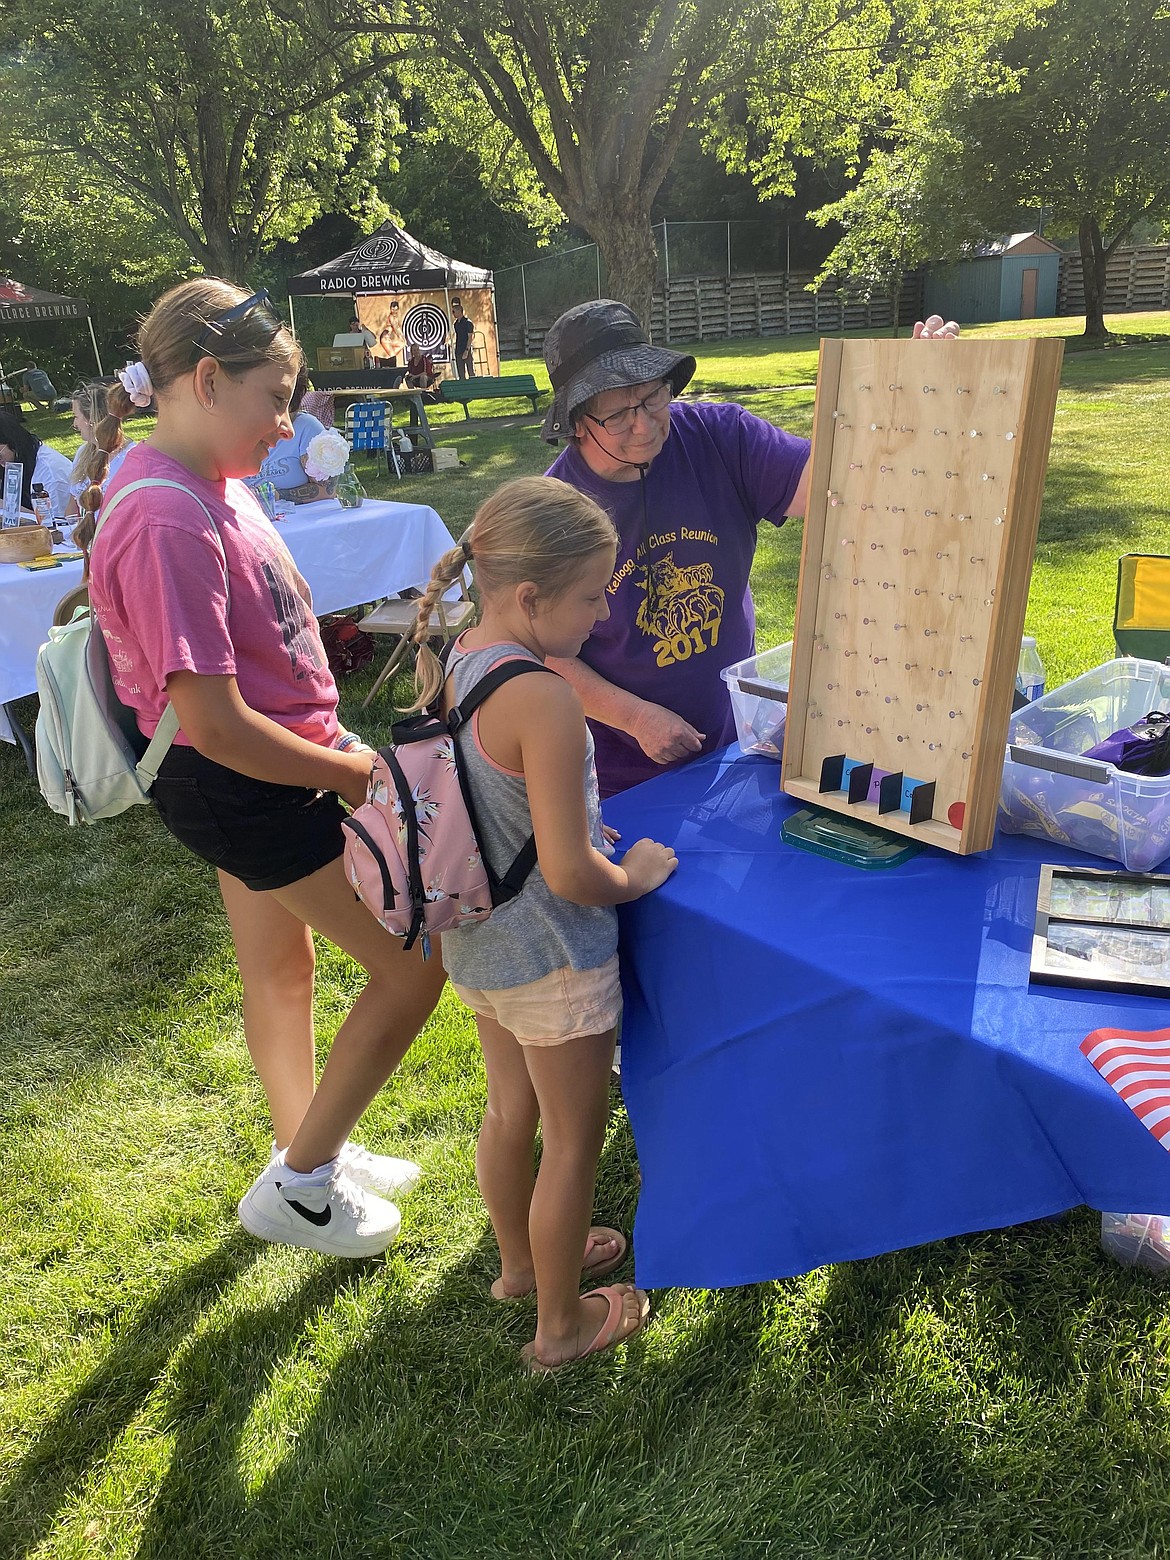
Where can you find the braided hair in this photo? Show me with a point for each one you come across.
(108, 438)
(533, 528)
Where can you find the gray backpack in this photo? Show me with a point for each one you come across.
(92, 761)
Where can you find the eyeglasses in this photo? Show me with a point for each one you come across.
(216, 331)
(622, 420)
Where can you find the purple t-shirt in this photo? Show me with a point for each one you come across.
(720, 471)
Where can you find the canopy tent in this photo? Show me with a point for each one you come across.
(22, 305)
(391, 264)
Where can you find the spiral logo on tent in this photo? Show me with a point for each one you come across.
(376, 251)
(425, 326)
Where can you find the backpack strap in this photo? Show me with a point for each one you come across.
(165, 732)
(418, 897)
(509, 885)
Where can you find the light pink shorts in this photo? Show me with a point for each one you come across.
(566, 1005)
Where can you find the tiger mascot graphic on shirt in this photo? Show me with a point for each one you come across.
(682, 609)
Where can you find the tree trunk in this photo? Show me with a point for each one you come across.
(1093, 264)
(631, 259)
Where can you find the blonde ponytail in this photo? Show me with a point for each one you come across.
(532, 528)
(108, 438)
(428, 671)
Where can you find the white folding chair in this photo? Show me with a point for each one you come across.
(398, 616)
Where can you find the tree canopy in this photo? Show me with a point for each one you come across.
(589, 102)
(1071, 116)
(226, 120)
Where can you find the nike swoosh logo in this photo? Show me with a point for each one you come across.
(320, 1219)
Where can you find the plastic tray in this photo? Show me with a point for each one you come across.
(1050, 791)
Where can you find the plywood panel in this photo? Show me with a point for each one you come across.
(927, 475)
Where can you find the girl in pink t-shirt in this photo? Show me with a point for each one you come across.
(202, 606)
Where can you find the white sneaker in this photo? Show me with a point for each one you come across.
(379, 1173)
(341, 1219)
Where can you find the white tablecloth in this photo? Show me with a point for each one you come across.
(348, 556)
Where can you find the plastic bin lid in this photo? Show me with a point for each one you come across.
(850, 840)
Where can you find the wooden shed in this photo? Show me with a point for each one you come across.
(1014, 278)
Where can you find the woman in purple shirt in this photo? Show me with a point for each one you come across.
(686, 485)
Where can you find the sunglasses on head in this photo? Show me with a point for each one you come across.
(216, 331)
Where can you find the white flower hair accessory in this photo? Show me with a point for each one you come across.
(327, 455)
(136, 383)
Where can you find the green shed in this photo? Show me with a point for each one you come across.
(1014, 278)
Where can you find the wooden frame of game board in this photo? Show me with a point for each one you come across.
(928, 464)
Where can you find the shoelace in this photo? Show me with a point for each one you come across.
(357, 1156)
(348, 1194)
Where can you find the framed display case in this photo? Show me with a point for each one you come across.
(1107, 930)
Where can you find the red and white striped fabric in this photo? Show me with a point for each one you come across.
(1136, 1062)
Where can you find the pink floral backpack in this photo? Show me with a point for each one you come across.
(412, 849)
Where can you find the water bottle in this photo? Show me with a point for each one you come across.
(1030, 672)
(42, 505)
(266, 493)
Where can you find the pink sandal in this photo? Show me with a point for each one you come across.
(599, 1235)
(610, 1332)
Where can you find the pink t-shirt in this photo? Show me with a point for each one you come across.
(159, 594)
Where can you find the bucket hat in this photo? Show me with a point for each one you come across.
(598, 346)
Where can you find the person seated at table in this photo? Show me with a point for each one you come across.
(541, 975)
(420, 368)
(284, 465)
(90, 406)
(687, 486)
(319, 404)
(42, 464)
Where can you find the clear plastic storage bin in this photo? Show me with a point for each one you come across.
(1053, 793)
(759, 698)
(1137, 1240)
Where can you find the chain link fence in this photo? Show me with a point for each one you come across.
(715, 279)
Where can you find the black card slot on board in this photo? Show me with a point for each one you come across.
(832, 771)
(890, 792)
(922, 802)
(859, 779)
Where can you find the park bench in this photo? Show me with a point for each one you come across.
(510, 386)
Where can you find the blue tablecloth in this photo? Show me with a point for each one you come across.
(822, 1063)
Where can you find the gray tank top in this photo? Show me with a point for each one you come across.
(537, 932)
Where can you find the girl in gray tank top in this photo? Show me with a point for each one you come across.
(538, 931)
(541, 973)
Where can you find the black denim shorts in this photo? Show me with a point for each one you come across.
(266, 835)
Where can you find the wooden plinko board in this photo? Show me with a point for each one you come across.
(928, 468)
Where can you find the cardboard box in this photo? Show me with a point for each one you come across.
(341, 357)
(443, 459)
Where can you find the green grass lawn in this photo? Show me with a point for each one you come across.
(172, 1388)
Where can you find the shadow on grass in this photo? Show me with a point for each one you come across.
(1080, 510)
(895, 1406)
(86, 1426)
(1122, 359)
(841, 1431)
